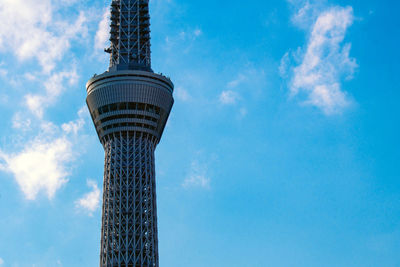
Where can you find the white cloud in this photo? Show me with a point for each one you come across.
(284, 66)
(103, 32)
(324, 62)
(1, 261)
(249, 76)
(197, 32)
(306, 11)
(90, 201)
(191, 35)
(30, 77)
(228, 97)
(184, 40)
(34, 30)
(40, 166)
(182, 94)
(3, 71)
(74, 126)
(29, 29)
(69, 2)
(304, 14)
(197, 176)
(43, 163)
(236, 82)
(54, 86)
(20, 122)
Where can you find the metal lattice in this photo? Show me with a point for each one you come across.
(129, 227)
(130, 35)
(129, 110)
(129, 106)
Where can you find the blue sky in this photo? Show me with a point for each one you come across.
(282, 148)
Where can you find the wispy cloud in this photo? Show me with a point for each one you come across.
(235, 88)
(43, 164)
(1, 261)
(185, 40)
(228, 97)
(103, 31)
(29, 28)
(90, 201)
(306, 11)
(74, 126)
(197, 176)
(182, 94)
(324, 62)
(237, 81)
(197, 32)
(21, 122)
(40, 166)
(54, 86)
(34, 31)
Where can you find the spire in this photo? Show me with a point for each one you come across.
(130, 35)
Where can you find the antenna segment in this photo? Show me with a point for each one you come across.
(130, 35)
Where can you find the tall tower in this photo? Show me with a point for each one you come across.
(129, 105)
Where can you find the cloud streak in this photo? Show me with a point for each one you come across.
(90, 201)
(41, 166)
(182, 94)
(34, 32)
(54, 86)
(324, 62)
(197, 177)
(228, 97)
(29, 29)
(103, 32)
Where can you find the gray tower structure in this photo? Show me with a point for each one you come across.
(129, 105)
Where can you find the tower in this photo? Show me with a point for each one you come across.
(129, 105)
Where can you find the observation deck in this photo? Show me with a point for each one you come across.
(129, 101)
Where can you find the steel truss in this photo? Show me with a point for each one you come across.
(129, 105)
(130, 33)
(129, 223)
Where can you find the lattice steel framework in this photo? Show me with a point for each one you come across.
(130, 35)
(129, 110)
(129, 211)
(130, 106)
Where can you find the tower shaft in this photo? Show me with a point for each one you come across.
(129, 226)
(129, 106)
(129, 110)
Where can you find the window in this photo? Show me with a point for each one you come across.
(127, 106)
